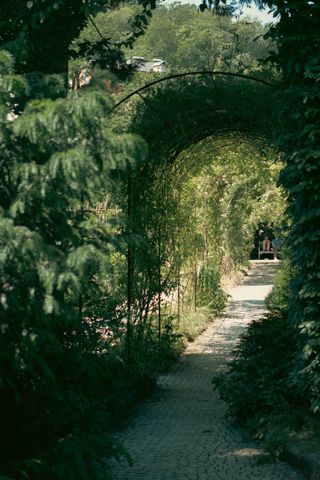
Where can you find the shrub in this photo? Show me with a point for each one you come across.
(280, 296)
(257, 386)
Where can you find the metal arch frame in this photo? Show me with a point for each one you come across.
(209, 73)
(186, 74)
(198, 138)
(130, 252)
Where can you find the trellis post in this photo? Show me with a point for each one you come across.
(129, 271)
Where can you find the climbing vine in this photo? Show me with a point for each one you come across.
(298, 39)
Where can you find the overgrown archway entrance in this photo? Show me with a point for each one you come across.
(191, 121)
(181, 109)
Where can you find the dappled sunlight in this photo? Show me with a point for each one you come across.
(243, 452)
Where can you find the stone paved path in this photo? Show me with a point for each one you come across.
(180, 432)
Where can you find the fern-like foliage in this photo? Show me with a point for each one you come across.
(58, 160)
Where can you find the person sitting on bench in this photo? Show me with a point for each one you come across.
(266, 244)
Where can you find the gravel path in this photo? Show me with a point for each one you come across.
(180, 432)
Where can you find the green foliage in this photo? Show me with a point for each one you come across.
(214, 193)
(297, 57)
(198, 199)
(66, 320)
(280, 297)
(59, 160)
(297, 37)
(192, 323)
(177, 34)
(187, 40)
(278, 359)
(209, 291)
(260, 385)
(257, 385)
(39, 33)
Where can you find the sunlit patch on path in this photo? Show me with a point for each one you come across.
(180, 432)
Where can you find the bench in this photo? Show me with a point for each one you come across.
(264, 252)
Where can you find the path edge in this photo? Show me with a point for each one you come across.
(307, 463)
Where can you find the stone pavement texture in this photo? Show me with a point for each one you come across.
(180, 432)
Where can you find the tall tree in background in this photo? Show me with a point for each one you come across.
(39, 33)
(186, 40)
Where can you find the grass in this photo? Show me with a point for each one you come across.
(191, 324)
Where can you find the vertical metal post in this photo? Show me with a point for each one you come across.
(80, 305)
(179, 278)
(159, 281)
(195, 269)
(206, 246)
(80, 299)
(179, 258)
(129, 271)
(195, 285)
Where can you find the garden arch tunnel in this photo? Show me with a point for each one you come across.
(179, 110)
(183, 111)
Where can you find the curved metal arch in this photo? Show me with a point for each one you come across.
(186, 74)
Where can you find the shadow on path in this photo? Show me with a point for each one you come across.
(262, 274)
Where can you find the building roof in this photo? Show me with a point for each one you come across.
(143, 65)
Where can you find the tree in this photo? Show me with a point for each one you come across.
(39, 33)
(59, 160)
(186, 40)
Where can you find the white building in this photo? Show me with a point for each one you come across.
(142, 65)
